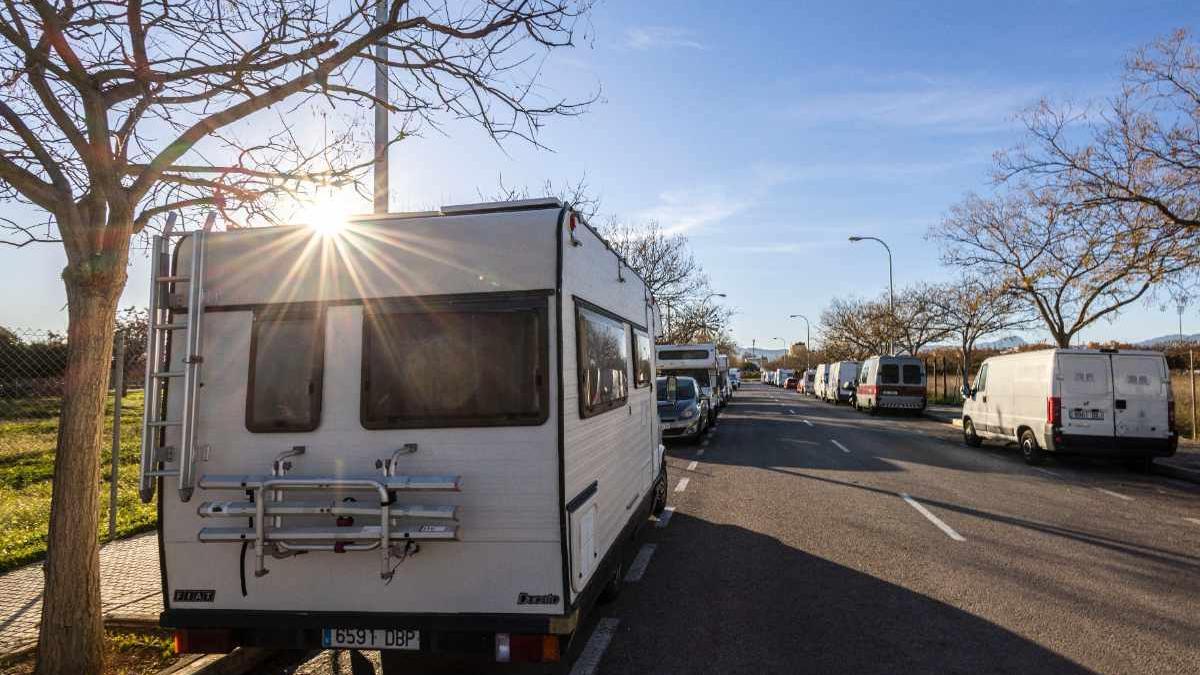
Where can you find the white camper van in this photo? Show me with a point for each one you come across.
(891, 383)
(808, 382)
(724, 378)
(843, 376)
(699, 362)
(821, 377)
(425, 433)
(1105, 403)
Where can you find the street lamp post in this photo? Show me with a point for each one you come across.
(891, 278)
(807, 339)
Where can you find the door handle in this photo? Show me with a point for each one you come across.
(985, 398)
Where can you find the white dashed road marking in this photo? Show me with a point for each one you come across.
(1118, 495)
(840, 446)
(808, 423)
(589, 659)
(692, 465)
(638, 568)
(665, 516)
(932, 518)
(1194, 521)
(683, 482)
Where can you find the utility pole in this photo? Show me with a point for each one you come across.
(381, 113)
(891, 289)
(807, 340)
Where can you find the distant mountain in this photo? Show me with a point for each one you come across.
(756, 352)
(1010, 342)
(1165, 340)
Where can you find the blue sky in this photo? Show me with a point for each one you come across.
(769, 132)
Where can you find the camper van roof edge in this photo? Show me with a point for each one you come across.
(515, 205)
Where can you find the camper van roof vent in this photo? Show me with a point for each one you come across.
(493, 207)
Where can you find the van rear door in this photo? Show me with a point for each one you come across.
(1141, 404)
(1087, 394)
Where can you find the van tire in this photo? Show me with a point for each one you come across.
(612, 589)
(971, 438)
(660, 492)
(1030, 451)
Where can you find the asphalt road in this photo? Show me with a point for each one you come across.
(811, 538)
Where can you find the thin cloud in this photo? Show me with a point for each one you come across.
(688, 210)
(947, 107)
(643, 38)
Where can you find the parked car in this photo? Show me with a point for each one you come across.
(1098, 402)
(782, 375)
(682, 412)
(891, 383)
(843, 377)
(790, 383)
(735, 378)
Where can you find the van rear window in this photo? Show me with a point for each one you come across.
(683, 354)
(913, 374)
(889, 373)
(287, 357)
(462, 367)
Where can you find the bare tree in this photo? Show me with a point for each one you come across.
(1073, 265)
(917, 320)
(664, 260)
(1141, 147)
(115, 113)
(856, 328)
(698, 321)
(972, 309)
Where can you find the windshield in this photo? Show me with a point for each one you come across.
(685, 389)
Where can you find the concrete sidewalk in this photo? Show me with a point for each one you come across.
(1184, 465)
(130, 590)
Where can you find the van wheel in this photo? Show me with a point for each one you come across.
(613, 588)
(969, 436)
(873, 408)
(1029, 449)
(660, 492)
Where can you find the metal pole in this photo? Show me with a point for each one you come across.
(1192, 377)
(118, 394)
(381, 113)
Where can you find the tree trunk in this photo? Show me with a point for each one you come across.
(72, 631)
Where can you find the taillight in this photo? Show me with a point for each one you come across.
(527, 648)
(1054, 411)
(203, 641)
(1171, 415)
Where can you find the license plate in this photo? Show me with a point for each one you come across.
(887, 392)
(1092, 414)
(371, 638)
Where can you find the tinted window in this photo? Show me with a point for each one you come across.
(287, 352)
(461, 368)
(912, 374)
(889, 373)
(643, 373)
(701, 376)
(686, 390)
(981, 379)
(603, 355)
(683, 354)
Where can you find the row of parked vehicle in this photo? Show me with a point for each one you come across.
(1098, 402)
(694, 384)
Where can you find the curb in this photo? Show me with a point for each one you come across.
(236, 662)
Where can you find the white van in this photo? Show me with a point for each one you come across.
(891, 383)
(725, 379)
(699, 362)
(782, 375)
(821, 378)
(428, 432)
(808, 382)
(1105, 403)
(842, 378)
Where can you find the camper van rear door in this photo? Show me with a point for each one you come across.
(408, 639)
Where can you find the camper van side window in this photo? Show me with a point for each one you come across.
(287, 357)
(643, 373)
(603, 362)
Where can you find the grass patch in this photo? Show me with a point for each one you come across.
(125, 653)
(26, 472)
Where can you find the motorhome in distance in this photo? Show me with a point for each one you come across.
(821, 380)
(808, 382)
(697, 361)
(891, 383)
(1104, 403)
(422, 433)
(782, 375)
(724, 378)
(843, 376)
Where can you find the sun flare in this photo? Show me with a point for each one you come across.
(328, 214)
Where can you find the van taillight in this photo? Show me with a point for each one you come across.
(203, 641)
(1171, 415)
(1054, 411)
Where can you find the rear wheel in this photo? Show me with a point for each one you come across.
(1030, 451)
(969, 436)
(613, 588)
(660, 492)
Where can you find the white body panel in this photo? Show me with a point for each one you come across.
(511, 504)
(841, 375)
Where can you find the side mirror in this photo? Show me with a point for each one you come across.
(966, 392)
(672, 388)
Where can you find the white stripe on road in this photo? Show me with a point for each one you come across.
(665, 516)
(840, 446)
(589, 659)
(1118, 495)
(692, 465)
(682, 485)
(808, 423)
(1194, 521)
(932, 518)
(638, 568)
(1048, 472)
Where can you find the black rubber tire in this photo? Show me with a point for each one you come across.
(873, 409)
(612, 590)
(660, 492)
(1030, 451)
(971, 438)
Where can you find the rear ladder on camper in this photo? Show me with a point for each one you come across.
(171, 312)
